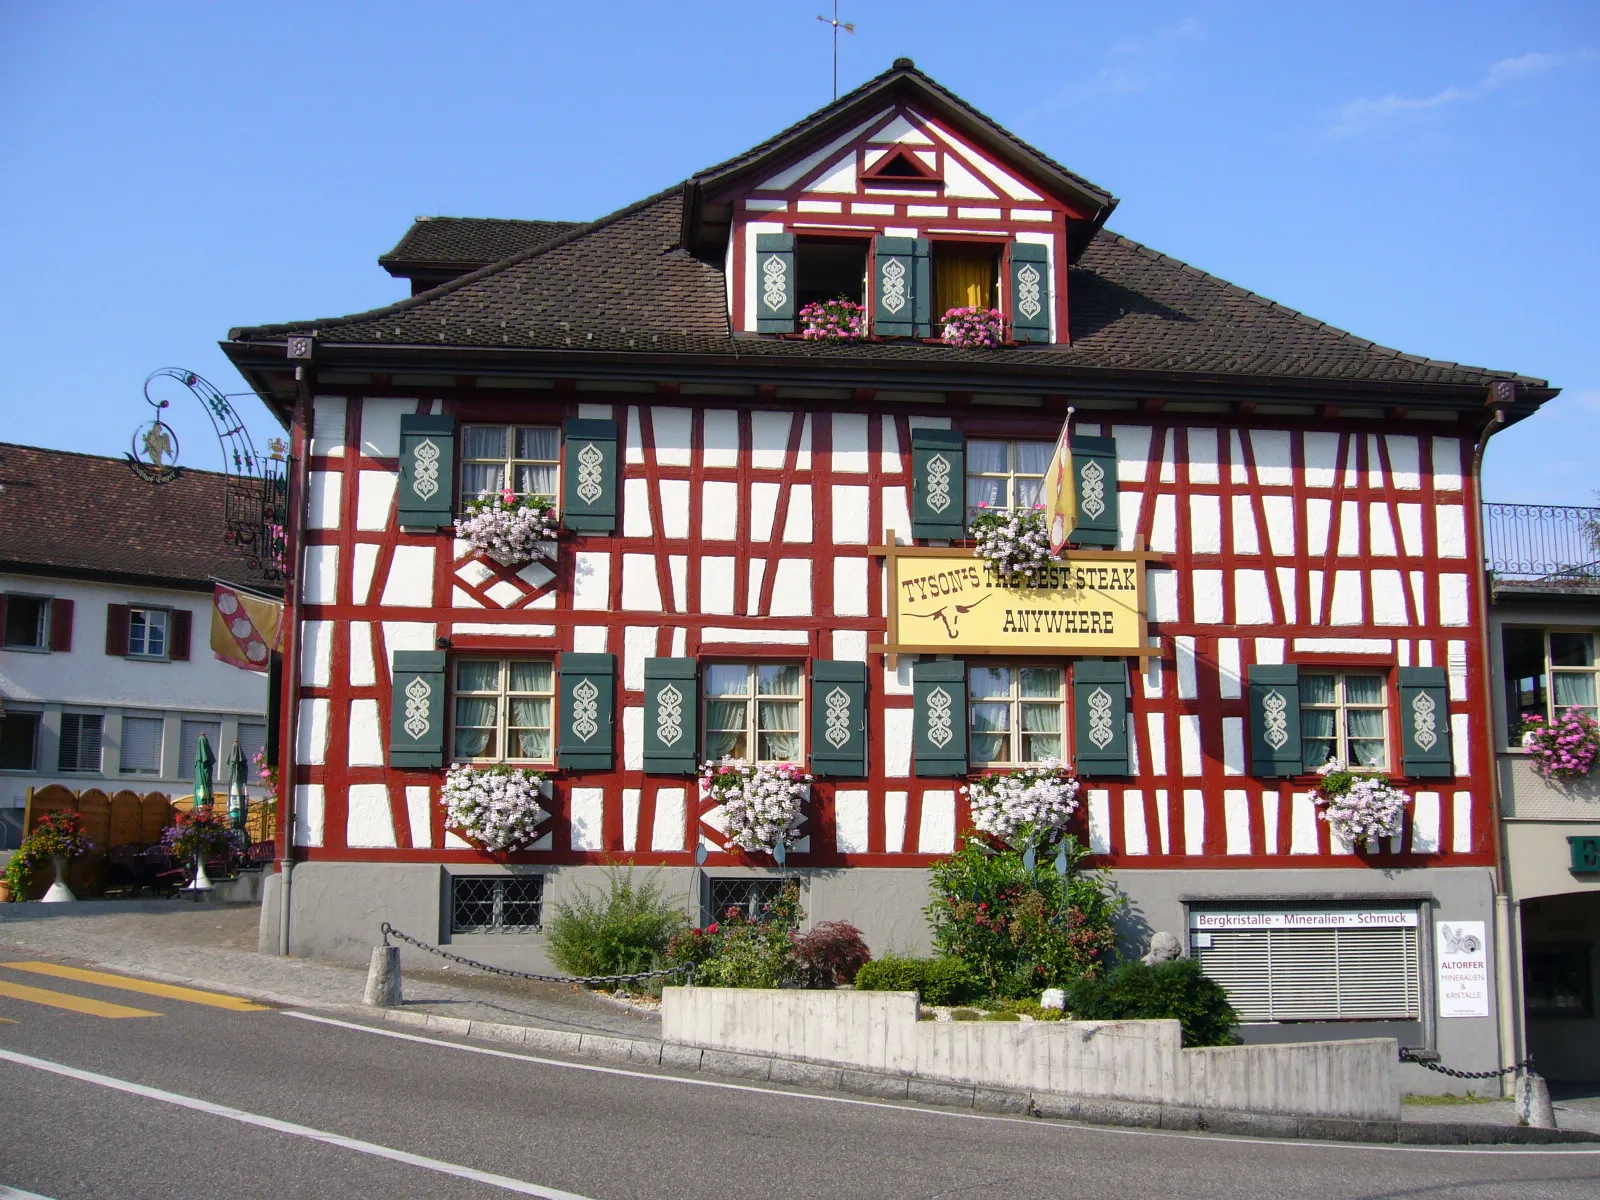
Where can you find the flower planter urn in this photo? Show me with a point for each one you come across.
(202, 881)
(59, 892)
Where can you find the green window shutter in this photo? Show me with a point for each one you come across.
(1425, 723)
(1094, 467)
(1100, 717)
(838, 719)
(1030, 292)
(894, 287)
(1274, 721)
(939, 487)
(671, 715)
(416, 718)
(775, 283)
(427, 471)
(589, 476)
(588, 702)
(922, 289)
(939, 717)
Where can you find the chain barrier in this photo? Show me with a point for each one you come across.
(389, 931)
(1408, 1055)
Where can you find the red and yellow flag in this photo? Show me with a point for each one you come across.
(245, 629)
(1060, 492)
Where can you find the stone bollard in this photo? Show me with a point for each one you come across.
(1533, 1101)
(383, 977)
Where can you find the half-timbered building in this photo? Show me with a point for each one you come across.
(764, 556)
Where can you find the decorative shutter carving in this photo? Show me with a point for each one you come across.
(671, 715)
(838, 719)
(1094, 469)
(939, 718)
(1030, 292)
(775, 283)
(117, 630)
(894, 286)
(589, 476)
(416, 719)
(182, 624)
(588, 703)
(1275, 748)
(939, 487)
(1100, 717)
(427, 471)
(60, 624)
(1425, 723)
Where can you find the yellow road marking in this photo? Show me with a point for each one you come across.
(7, 1021)
(80, 1004)
(128, 983)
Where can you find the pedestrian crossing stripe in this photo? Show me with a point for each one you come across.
(129, 983)
(78, 1004)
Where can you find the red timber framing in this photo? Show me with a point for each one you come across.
(1337, 542)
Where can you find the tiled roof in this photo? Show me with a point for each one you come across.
(623, 284)
(470, 241)
(84, 513)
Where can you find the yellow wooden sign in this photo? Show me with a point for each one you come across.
(948, 601)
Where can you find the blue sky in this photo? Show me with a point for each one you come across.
(1422, 174)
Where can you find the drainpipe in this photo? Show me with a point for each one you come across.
(291, 647)
(1508, 958)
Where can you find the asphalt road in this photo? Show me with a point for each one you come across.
(199, 1101)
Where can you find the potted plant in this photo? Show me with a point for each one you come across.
(58, 838)
(1013, 540)
(496, 807)
(837, 320)
(762, 801)
(510, 528)
(973, 326)
(1359, 806)
(1565, 748)
(198, 835)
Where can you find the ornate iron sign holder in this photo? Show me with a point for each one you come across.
(256, 488)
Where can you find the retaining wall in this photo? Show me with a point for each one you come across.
(1140, 1061)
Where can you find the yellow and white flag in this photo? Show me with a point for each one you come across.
(245, 629)
(1060, 491)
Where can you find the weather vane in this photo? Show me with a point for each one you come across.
(848, 27)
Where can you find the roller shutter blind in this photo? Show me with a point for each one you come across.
(1317, 974)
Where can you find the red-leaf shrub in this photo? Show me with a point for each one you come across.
(830, 954)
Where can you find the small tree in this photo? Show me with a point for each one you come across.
(623, 931)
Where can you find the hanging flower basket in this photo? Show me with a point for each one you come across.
(838, 320)
(1565, 748)
(971, 327)
(762, 802)
(1358, 806)
(510, 528)
(1014, 540)
(497, 807)
(1024, 807)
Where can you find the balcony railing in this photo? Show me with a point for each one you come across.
(1542, 541)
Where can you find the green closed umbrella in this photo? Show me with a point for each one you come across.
(205, 762)
(238, 791)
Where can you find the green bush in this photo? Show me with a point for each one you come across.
(1020, 929)
(737, 951)
(621, 931)
(936, 980)
(1175, 990)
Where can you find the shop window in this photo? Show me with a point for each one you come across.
(1343, 717)
(1017, 714)
(765, 698)
(505, 710)
(141, 745)
(189, 746)
(1005, 474)
(523, 458)
(753, 898)
(19, 742)
(965, 275)
(496, 903)
(27, 622)
(1547, 672)
(147, 632)
(80, 742)
(1556, 980)
(827, 268)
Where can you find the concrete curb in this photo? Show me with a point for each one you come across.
(943, 1094)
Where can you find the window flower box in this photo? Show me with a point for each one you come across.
(1359, 806)
(972, 327)
(1013, 540)
(1025, 807)
(838, 320)
(509, 528)
(760, 801)
(496, 807)
(1565, 748)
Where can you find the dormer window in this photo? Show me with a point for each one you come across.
(829, 267)
(965, 275)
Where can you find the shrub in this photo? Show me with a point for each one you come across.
(1018, 928)
(938, 981)
(736, 951)
(623, 931)
(1175, 990)
(829, 955)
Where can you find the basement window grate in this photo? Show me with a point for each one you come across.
(496, 903)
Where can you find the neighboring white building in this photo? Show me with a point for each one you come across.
(107, 678)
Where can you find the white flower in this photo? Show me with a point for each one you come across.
(510, 532)
(497, 807)
(1040, 799)
(762, 803)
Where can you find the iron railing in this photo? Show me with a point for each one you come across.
(1542, 541)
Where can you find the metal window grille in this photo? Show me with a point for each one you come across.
(752, 897)
(1317, 974)
(80, 742)
(496, 903)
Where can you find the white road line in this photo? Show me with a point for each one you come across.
(1032, 1122)
(316, 1135)
(11, 1193)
